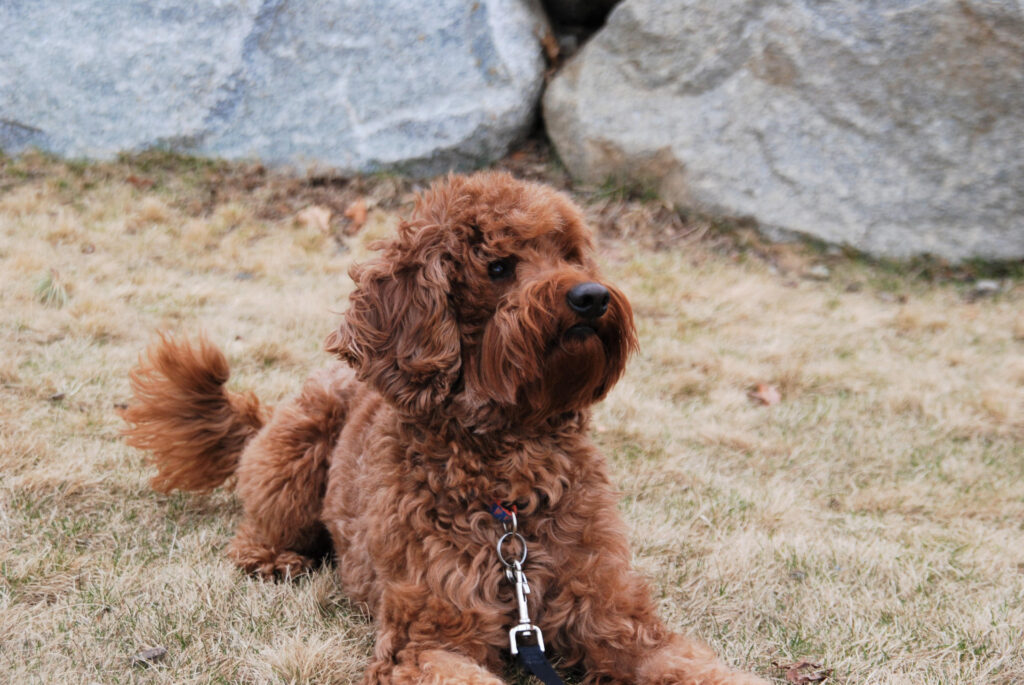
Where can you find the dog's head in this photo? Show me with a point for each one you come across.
(487, 305)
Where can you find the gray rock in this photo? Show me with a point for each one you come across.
(348, 84)
(895, 126)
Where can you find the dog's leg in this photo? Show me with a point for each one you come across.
(611, 623)
(282, 477)
(621, 639)
(684, 660)
(424, 638)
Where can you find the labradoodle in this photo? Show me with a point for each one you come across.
(474, 345)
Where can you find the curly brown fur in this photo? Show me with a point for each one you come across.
(194, 428)
(471, 381)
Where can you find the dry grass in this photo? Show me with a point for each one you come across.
(873, 520)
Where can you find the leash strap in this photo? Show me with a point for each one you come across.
(525, 638)
(536, 663)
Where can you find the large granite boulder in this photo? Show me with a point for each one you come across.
(343, 83)
(894, 126)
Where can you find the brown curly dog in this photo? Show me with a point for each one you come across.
(477, 340)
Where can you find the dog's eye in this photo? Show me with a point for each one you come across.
(500, 269)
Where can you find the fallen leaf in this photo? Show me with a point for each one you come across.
(766, 394)
(316, 217)
(815, 674)
(148, 657)
(356, 213)
(140, 182)
(550, 45)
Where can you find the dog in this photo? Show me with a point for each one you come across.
(474, 345)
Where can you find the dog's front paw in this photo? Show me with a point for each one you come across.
(435, 667)
(690, 662)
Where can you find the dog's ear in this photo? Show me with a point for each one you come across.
(400, 333)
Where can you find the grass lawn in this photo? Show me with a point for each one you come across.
(871, 520)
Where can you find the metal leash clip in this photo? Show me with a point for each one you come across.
(514, 572)
(525, 626)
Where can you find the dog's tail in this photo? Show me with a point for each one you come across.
(182, 413)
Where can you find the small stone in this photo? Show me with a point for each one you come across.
(985, 287)
(818, 272)
(148, 657)
(854, 287)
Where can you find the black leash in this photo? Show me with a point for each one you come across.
(525, 639)
(534, 661)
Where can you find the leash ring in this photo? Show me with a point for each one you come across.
(501, 542)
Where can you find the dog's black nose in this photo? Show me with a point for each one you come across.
(589, 300)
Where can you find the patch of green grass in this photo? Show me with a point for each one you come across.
(892, 274)
(626, 190)
(51, 290)
(158, 160)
